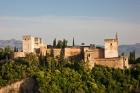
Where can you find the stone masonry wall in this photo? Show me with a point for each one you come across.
(98, 53)
(19, 54)
(70, 52)
(120, 62)
(56, 51)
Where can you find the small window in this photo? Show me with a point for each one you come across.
(125, 59)
(88, 55)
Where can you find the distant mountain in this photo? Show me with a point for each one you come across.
(128, 48)
(12, 43)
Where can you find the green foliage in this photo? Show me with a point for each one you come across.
(62, 44)
(74, 79)
(73, 42)
(58, 75)
(5, 53)
(54, 43)
(132, 57)
(137, 60)
(59, 44)
(12, 71)
(32, 59)
(65, 42)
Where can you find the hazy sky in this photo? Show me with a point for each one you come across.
(88, 21)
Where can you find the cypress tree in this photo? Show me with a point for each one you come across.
(73, 42)
(54, 42)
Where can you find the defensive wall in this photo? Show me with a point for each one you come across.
(119, 62)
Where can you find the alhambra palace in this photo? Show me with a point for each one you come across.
(107, 56)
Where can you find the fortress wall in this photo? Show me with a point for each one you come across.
(86, 49)
(88, 56)
(48, 50)
(56, 51)
(19, 54)
(91, 54)
(119, 62)
(43, 50)
(98, 53)
(70, 52)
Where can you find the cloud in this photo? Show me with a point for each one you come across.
(83, 28)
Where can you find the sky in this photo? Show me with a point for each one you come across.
(88, 21)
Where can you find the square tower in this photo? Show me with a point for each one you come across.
(28, 44)
(111, 47)
(32, 44)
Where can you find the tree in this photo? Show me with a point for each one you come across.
(64, 43)
(137, 60)
(32, 59)
(54, 43)
(73, 42)
(132, 57)
(52, 52)
(5, 53)
(15, 49)
(122, 54)
(61, 59)
(59, 44)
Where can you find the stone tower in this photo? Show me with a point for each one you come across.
(32, 44)
(111, 47)
(28, 44)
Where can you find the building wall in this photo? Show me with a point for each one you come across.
(38, 42)
(28, 44)
(89, 58)
(49, 51)
(70, 52)
(111, 48)
(98, 53)
(120, 62)
(85, 49)
(56, 51)
(91, 54)
(19, 54)
(43, 50)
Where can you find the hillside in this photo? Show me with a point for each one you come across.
(12, 43)
(128, 48)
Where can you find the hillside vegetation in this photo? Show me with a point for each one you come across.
(62, 76)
